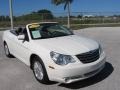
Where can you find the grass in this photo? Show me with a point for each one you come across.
(6, 25)
(81, 26)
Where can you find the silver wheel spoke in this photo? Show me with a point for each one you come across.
(6, 50)
(38, 70)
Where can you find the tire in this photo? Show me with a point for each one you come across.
(7, 52)
(39, 70)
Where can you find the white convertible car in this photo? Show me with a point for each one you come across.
(54, 52)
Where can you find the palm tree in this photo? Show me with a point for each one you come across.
(66, 5)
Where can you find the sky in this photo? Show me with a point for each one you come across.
(21, 7)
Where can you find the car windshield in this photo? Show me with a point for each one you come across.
(48, 31)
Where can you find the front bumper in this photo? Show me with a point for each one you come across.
(72, 73)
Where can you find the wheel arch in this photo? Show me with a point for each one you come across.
(31, 59)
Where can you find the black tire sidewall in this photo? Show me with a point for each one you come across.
(8, 55)
(45, 79)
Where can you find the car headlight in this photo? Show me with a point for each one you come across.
(61, 59)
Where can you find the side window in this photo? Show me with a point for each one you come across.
(17, 31)
(14, 32)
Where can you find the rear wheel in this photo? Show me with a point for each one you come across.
(6, 49)
(39, 70)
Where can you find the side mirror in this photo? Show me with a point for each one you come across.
(21, 37)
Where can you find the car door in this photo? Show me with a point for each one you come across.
(11, 41)
(22, 49)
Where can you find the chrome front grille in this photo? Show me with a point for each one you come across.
(89, 57)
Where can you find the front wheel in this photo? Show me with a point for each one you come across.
(39, 70)
(6, 49)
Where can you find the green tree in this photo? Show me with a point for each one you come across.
(66, 5)
(2, 18)
(45, 14)
(36, 16)
(80, 16)
(7, 18)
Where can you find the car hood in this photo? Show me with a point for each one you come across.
(70, 45)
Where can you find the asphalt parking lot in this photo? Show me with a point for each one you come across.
(15, 75)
